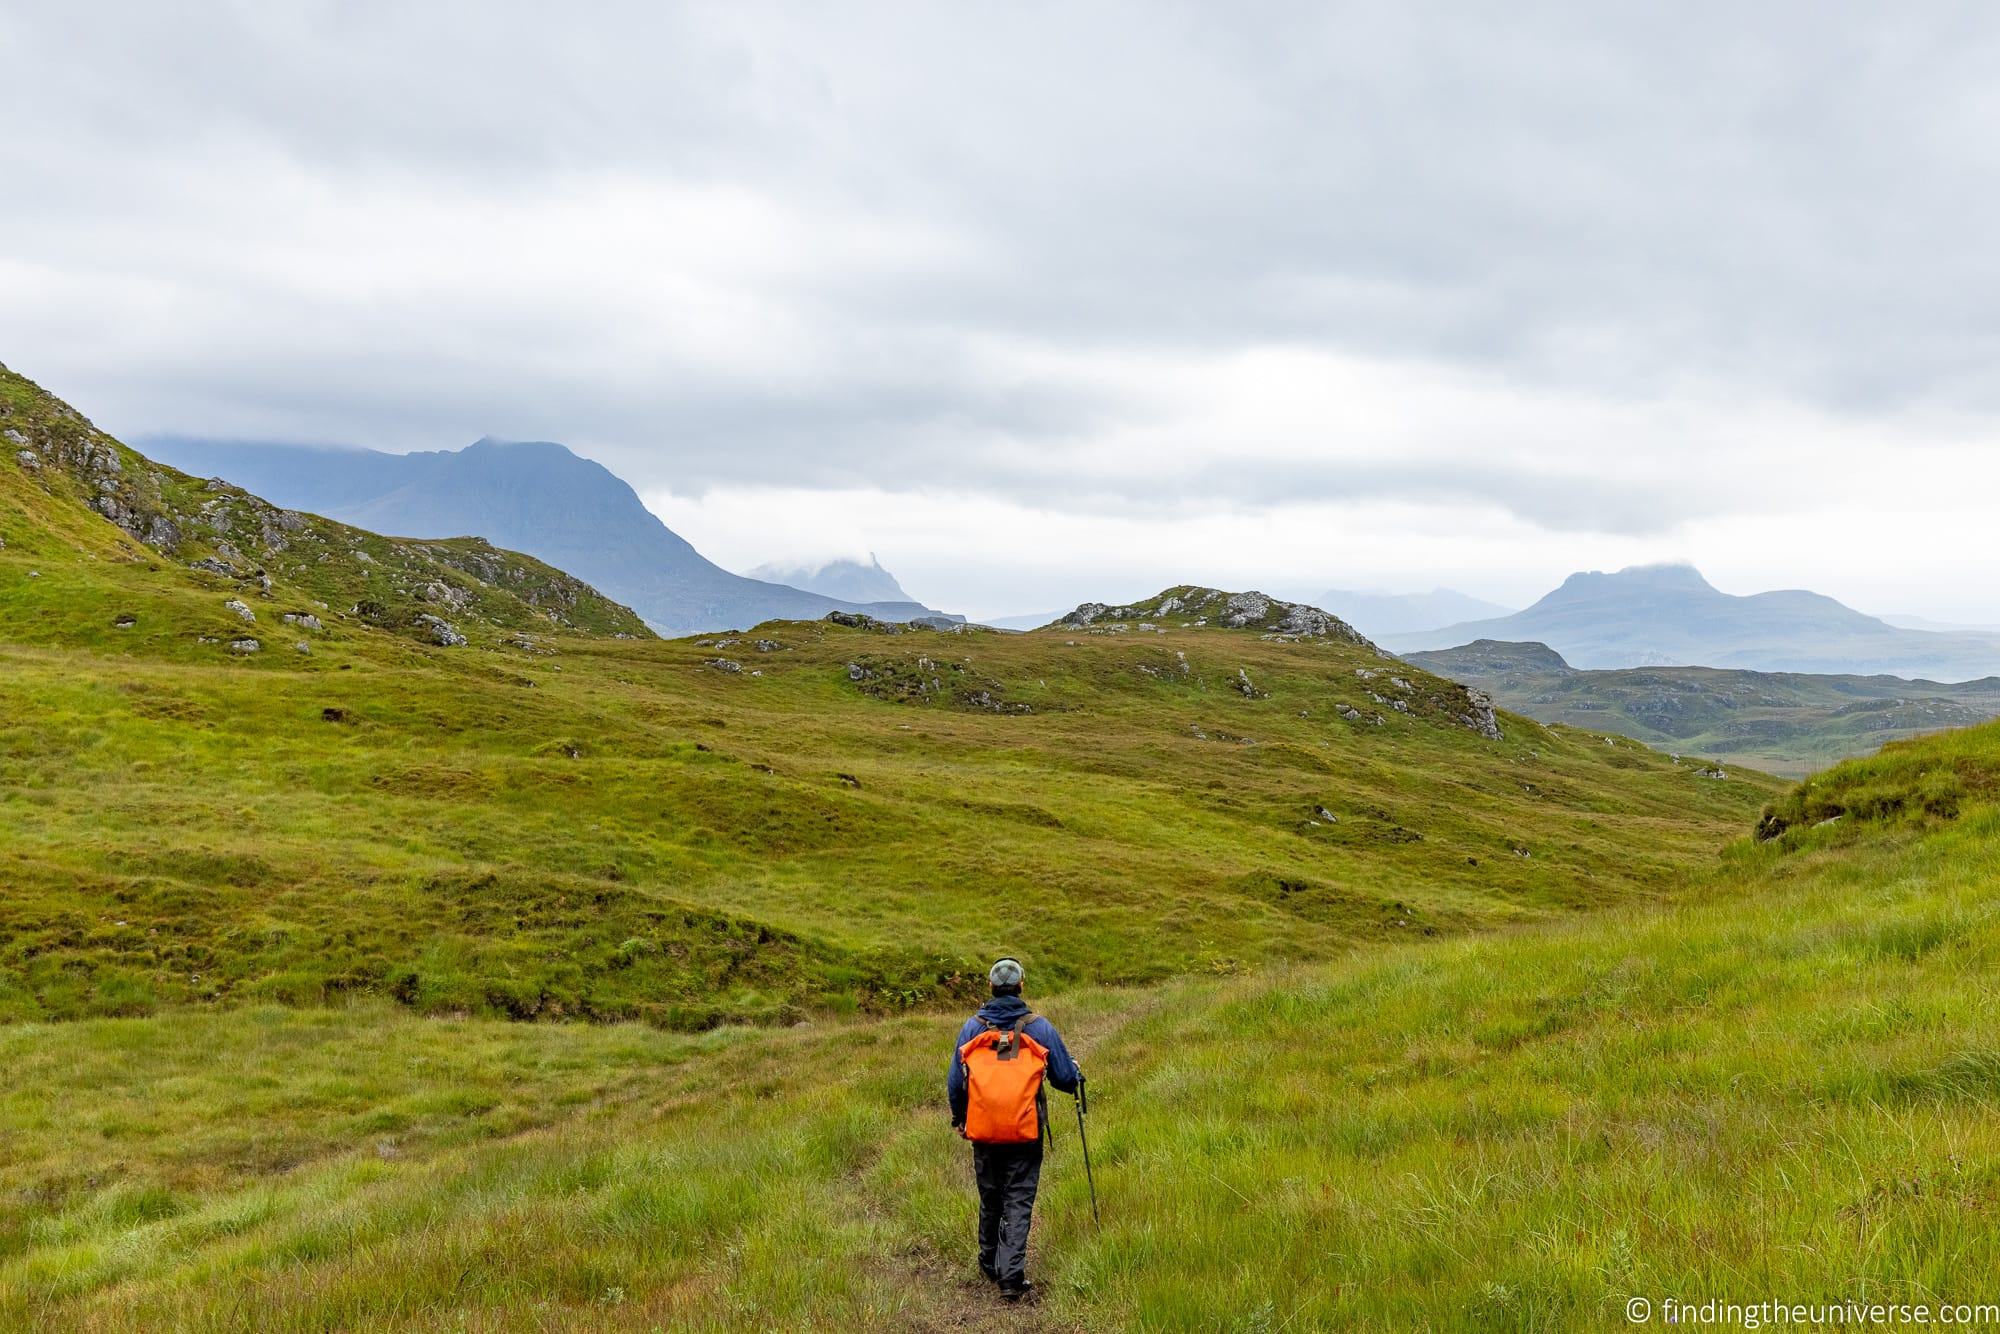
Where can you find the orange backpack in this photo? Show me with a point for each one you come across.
(1003, 1075)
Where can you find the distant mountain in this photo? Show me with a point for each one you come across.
(535, 497)
(1668, 615)
(1948, 627)
(1033, 620)
(1379, 614)
(1784, 722)
(849, 580)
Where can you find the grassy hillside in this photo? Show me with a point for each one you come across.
(694, 831)
(1398, 1010)
(79, 510)
(1780, 722)
(1781, 1084)
(809, 819)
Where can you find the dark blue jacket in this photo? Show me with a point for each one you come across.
(1002, 1011)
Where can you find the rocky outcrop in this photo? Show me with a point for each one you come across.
(859, 620)
(1189, 606)
(440, 631)
(926, 680)
(1479, 715)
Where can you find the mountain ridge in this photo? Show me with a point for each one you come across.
(1670, 615)
(538, 496)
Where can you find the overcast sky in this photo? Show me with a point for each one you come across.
(1043, 302)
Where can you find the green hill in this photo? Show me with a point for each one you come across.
(1781, 722)
(1399, 1011)
(89, 525)
(802, 820)
(1779, 1084)
(805, 819)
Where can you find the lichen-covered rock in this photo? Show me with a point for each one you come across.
(445, 595)
(440, 631)
(861, 620)
(1479, 715)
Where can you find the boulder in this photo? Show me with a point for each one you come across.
(1478, 714)
(440, 631)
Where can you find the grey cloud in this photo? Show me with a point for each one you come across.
(1784, 201)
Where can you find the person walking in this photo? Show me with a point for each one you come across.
(999, 1064)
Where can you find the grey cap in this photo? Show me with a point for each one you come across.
(1006, 973)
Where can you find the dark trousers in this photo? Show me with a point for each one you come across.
(1008, 1176)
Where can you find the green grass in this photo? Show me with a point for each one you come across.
(1391, 1024)
(1781, 1084)
(615, 829)
(807, 819)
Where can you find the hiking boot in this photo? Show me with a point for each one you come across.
(1017, 1292)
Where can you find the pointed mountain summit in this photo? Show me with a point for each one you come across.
(1669, 615)
(534, 496)
(851, 580)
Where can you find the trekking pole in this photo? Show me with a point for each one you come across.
(1082, 1106)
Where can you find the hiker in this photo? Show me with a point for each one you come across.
(997, 1100)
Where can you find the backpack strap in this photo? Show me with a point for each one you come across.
(1008, 1045)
